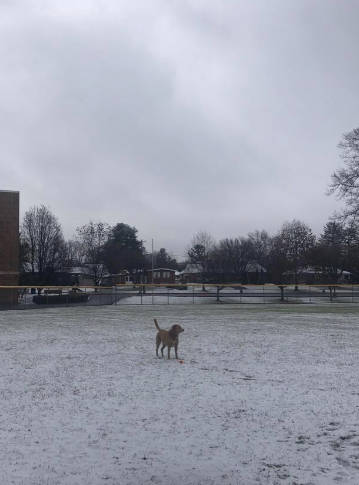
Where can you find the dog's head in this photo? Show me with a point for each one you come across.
(176, 329)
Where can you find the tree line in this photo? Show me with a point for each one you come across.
(99, 249)
(293, 255)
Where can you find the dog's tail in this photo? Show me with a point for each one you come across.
(157, 326)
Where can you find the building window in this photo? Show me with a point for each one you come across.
(166, 274)
(157, 274)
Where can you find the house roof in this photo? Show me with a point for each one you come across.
(161, 269)
(253, 267)
(311, 270)
(192, 268)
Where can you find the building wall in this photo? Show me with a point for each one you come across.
(9, 245)
(160, 276)
(190, 278)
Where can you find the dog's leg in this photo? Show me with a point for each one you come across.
(163, 346)
(169, 349)
(176, 348)
(158, 343)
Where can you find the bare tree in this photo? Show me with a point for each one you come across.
(200, 251)
(41, 234)
(93, 238)
(278, 263)
(234, 256)
(72, 253)
(262, 245)
(296, 239)
(351, 248)
(345, 181)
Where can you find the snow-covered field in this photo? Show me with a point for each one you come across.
(265, 395)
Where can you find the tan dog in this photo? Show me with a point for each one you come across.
(168, 338)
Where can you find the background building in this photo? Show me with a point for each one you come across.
(9, 245)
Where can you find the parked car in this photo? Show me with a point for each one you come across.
(106, 283)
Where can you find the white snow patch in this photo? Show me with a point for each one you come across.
(265, 395)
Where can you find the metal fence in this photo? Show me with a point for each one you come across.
(21, 297)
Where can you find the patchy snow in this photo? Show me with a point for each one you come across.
(266, 395)
(252, 294)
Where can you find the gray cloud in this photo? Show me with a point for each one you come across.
(177, 116)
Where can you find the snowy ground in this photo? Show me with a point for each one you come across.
(265, 395)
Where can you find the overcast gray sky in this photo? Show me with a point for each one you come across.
(177, 116)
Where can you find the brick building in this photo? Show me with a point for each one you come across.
(161, 276)
(9, 245)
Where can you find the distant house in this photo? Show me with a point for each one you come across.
(67, 277)
(124, 278)
(76, 276)
(161, 276)
(345, 277)
(191, 274)
(310, 275)
(256, 274)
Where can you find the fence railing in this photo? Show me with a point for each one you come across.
(26, 297)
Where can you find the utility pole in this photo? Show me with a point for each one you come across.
(152, 262)
(142, 269)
